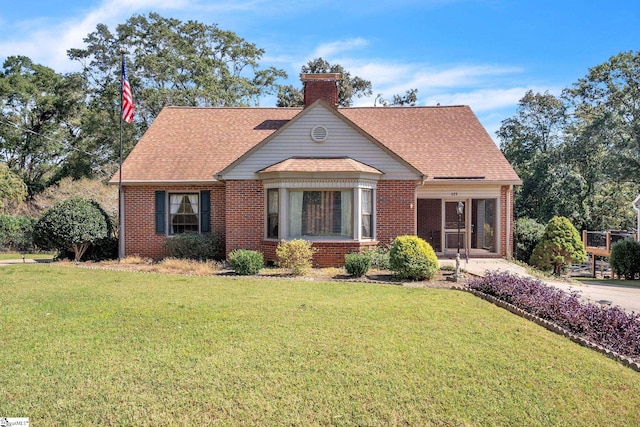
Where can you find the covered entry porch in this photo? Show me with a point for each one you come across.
(472, 222)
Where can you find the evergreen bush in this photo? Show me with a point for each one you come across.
(625, 258)
(196, 246)
(246, 262)
(560, 246)
(16, 233)
(412, 258)
(356, 264)
(296, 255)
(74, 225)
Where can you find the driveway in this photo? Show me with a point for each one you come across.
(624, 296)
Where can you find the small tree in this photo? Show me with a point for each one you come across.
(73, 224)
(560, 246)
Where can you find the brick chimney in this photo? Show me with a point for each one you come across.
(320, 86)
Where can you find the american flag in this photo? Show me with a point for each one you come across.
(127, 97)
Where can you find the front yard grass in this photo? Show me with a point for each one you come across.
(96, 347)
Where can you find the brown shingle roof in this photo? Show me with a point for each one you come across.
(192, 144)
(438, 141)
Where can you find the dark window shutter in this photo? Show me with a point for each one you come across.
(161, 207)
(205, 211)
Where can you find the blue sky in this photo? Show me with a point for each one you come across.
(482, 53)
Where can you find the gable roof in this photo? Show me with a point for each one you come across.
(189, 144)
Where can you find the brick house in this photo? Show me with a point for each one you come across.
(343, 178)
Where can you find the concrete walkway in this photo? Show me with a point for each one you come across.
(624, 296)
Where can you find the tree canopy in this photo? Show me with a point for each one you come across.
(170, 62)
(579, 154)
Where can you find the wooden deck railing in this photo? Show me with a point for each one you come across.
(599, 242)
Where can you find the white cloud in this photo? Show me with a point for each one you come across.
(328, 50)
(47, 43)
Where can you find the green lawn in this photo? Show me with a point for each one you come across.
(93, 347)
(13, 255)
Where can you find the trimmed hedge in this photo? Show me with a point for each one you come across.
(198, 246)
(296, 254)
(609, 327)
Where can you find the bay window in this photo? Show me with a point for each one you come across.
(320, 209)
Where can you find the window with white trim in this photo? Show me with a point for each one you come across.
(320, 210)
(273, 210)
(366, 207)
(183, 213)
(321, 213)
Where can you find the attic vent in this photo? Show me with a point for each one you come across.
(319, 133)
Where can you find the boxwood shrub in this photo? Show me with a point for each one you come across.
(356, 264)
(410, 257)
(246, 262)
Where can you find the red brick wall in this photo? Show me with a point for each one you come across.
(506, 219)
(328, 254)
(139, 227)
(245, 215)
(395, 210)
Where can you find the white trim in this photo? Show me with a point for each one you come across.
(320, 183)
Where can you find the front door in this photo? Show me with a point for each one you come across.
(455, 231)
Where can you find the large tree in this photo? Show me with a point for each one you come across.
(607, 104)
(39, 114)
(348, 87)
(531, 140)
(170, 62)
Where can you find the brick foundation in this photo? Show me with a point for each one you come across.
(328, 254)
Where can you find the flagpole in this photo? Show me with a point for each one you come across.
(120, 201)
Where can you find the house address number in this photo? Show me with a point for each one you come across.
(454, 194)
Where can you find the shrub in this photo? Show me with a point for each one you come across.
(379, 257)
(357, 264)
(610, 327)
(527, 233)
(412, 258)
(560, 246)
(625, 258)
(202, 247)
(246, 262)
(16, 233)
(296, 255)
(73, 224)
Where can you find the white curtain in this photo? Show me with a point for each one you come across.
(295, 213)
(346, 221)
(174, 203)
(193, 200)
